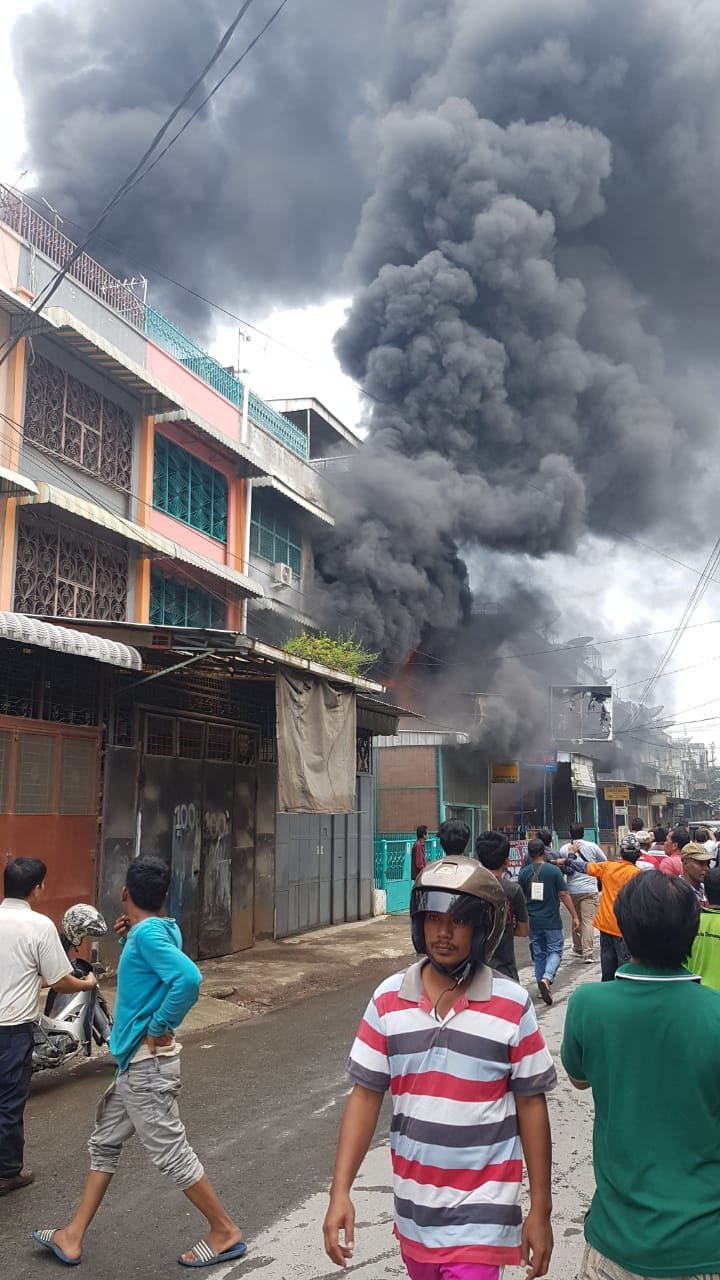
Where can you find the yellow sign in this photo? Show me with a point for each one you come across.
(617, 793)
(506, 772)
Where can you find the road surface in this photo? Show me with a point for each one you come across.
(262, 1101)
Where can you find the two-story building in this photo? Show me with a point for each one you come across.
(156, 528)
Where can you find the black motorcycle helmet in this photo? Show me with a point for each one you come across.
(462, 888)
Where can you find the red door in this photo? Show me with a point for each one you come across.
(49, 805)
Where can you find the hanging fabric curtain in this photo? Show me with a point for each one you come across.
(316, 745)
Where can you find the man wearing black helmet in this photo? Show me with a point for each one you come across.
(460, 1049)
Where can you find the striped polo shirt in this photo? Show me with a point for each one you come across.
(456, 1153)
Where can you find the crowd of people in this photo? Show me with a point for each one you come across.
(456, 1041)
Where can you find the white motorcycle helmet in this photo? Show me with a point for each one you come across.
(82, 921)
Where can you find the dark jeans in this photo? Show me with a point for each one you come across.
(613, 953)
(16, 1046)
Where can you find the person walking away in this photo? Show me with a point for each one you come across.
(454, 836)
(636, 825)
(705, 954)
(157, 986)
(544, 887)
(656, 1011)
(583, 890)
(492, 850)
(658, 845)
(612, 876)
(546, 835)
(675, 842)
(459, 1133)
(30, 954)
(418, 857)
(695, 860)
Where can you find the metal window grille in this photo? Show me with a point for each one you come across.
(189, 490)
(220, 742)
(62, 573)
(174, 604)
(364, 752)
(190, 735)
(160, 736)
(35, 773)
(66, 417)
(5, 745)
(246, 747)
(272, 538)
(77, 776)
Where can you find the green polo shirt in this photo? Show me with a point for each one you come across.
(705, 954)
(649, 1045)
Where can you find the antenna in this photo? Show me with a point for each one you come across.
(55, 212)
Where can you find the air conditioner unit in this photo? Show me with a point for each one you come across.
(282, 574)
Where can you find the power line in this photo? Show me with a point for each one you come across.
(212, 93)
(54, 283)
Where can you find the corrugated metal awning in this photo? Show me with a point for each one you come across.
(247, 464)
(13, 485)
(82, 644)
(272, 482)
(154, 543)
(156, 395)
(90, 511)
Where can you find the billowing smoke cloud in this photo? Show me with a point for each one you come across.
(257, 202)
(522, 196)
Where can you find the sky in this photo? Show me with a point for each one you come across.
(609, 590)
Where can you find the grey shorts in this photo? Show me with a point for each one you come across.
(143, 1101)
(596, 1267)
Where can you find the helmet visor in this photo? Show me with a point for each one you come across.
(461, 906)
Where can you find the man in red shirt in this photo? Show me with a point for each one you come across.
(675, 841)
(418, 858)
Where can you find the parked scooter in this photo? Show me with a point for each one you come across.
(72, 1022)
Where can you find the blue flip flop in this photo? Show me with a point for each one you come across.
(46, 1239)
(205, 1255)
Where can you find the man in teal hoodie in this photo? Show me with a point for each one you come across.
(157, 986)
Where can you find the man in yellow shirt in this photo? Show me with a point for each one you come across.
(705, 954)
(612, 877)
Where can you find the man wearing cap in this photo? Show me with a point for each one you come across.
(696, 859)
(612, 877)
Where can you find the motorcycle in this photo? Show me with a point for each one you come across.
(73, 1021)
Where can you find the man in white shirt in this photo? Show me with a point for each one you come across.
(583, 890)
(30, 953)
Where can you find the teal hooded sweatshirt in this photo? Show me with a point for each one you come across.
(157, 986)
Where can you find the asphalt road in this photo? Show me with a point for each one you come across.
(261, 1100)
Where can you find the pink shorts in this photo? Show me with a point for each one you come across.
(450, 1270)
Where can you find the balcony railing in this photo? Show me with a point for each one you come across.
(173, 340)
(31, 226)
(285, 430)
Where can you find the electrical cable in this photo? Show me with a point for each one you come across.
(54, 283)
(211, 94)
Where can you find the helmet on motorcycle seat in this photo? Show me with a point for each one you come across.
(82, 921)
(463, 889)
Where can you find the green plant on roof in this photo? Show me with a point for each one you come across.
(341, 652)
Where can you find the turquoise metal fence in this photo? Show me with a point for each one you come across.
(178, 344)
(393, 869)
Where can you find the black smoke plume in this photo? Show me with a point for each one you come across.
(522, 196)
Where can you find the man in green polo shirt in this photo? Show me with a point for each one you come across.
(656, 1208)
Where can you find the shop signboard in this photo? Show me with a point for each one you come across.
(506, 771)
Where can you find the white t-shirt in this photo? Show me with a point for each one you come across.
(589, 852)
(30, 953)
